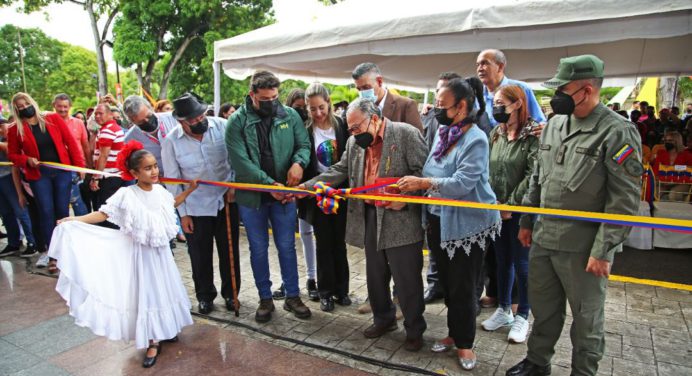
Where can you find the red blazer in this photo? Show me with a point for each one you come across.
(21, 149)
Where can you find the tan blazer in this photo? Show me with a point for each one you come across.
(401, 110)
(404, 152)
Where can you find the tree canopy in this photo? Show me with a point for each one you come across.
(42, 56)
(169, 33)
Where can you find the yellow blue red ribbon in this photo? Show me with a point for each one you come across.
(668, 224)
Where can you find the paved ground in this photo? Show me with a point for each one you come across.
(648, 333)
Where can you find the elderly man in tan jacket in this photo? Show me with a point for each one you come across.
(392, 234)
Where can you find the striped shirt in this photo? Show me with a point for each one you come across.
(110, 135)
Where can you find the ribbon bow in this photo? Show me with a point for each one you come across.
(328, 198)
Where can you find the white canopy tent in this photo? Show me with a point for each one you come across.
(413, 41)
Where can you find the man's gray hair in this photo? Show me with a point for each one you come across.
(498, 56)
(133, 104)
(366, 106)
(364, 68)
(62, 97)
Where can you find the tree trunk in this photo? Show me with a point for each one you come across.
(163, 93)
(667, 89)
(100, 59)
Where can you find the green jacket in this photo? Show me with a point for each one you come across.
(511, 164)
(591, 164)
(289, 141)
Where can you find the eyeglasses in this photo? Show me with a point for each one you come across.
(357, 126)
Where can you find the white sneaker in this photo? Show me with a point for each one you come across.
(43, 260)
(519, 330)
(499, 319)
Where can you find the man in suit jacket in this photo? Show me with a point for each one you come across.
(370, 85)
(391, 235)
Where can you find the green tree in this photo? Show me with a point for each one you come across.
(76, 75)
(151, 32)
(42, 56)
(96, 10)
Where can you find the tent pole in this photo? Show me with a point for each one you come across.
(425, 96)
(217, 87)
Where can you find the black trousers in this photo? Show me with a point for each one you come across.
(332, 262)
(458, 279)
(200, 246)
(488, 277)
(88, 196)
(405, 265)
(107, 187)
(34, 216)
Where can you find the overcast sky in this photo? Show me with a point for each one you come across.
(69, 22)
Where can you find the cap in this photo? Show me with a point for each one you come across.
(575, 68)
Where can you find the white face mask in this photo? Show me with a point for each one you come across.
(368, 94)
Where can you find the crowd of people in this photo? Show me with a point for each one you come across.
(485, 139)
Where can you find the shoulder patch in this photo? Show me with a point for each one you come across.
(623, 154)
(634, 167)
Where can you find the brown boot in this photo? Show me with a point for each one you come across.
(264, 311)
(374, 331)
(296, 306)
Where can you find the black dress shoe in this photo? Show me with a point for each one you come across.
(343, 300)
(432, 295)
(327, 304)
(229, 304)
(413, 344)
(312, 290)
(528, 368)
(150, 361)
(205, 307)
(280, 293)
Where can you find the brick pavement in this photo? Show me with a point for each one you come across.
(647, 331)
(647, 328)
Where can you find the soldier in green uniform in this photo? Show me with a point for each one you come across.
(589, 159)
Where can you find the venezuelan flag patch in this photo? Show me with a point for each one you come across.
(621, 156)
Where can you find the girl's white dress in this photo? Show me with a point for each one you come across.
(124, 284)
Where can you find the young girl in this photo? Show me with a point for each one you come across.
(124, 284)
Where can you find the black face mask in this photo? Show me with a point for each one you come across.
(267, 109)
(303, 113)
(27, 112)
(669, 146)
(441, 116)
(150, 125)
(500, 115)
(200, 127)
(563, 104)
(365, 139)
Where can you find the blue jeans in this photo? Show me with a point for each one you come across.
(283, 221)
(11, 212)
(52, 194)
(512, 259)
(76, 201)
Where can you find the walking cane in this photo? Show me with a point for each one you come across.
(236, 305)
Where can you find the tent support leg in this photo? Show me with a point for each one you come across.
(217, 87)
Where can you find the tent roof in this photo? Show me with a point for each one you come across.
(413, 41)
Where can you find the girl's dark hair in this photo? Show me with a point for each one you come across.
(135, 159)
(225, 107)
(469, 90)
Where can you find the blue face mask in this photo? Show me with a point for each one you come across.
(368, 94)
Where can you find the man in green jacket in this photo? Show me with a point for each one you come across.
(268, 144)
